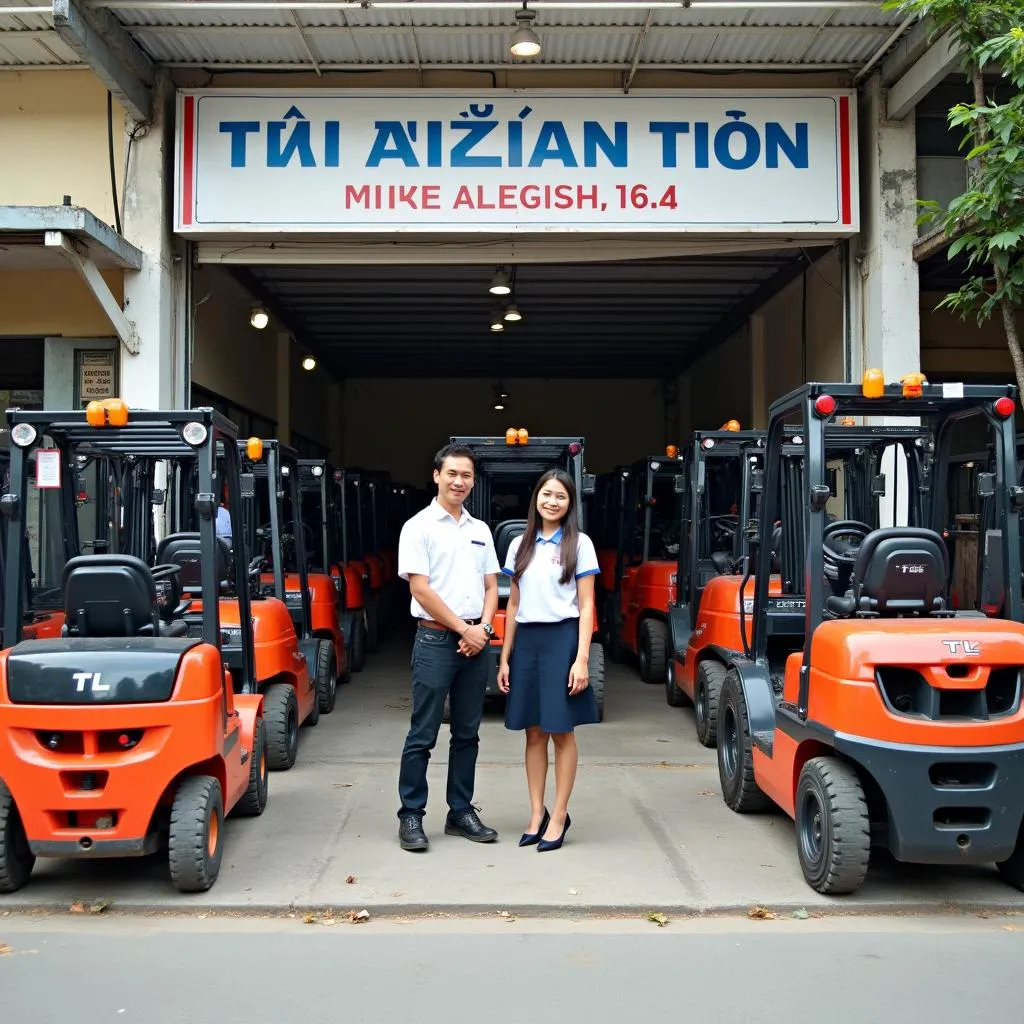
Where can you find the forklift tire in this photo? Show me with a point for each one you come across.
(196, 843)
(653, 651)
(345, 672)
(373, 625)
(1012, 869)
(16, 858)
(281, 712)
(609, 632)
(707, 693)
(254, 800)
(358, 648)
(674, 697)
(735, 751)
(326, 677)
(597, 677)
(833, 832)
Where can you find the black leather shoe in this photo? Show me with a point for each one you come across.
(469, 826)
(411, 835)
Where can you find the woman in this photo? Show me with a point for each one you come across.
(549, 623)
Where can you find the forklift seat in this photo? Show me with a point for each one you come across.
(504, 534)
(899, 571)
(113, 596)
(184, 549)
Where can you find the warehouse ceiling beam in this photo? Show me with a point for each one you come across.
(102, 43)
(78, 256)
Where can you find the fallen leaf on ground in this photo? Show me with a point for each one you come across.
(358, 916)
(99, 906)
(77, 908)
(342, 785)
(706, 792)
(658, 918)
(801, 914)
(397, 894)
(309, 918)
(5, 950)
(662, 741)
(350, 880)
(503, 913)
(1010, 928)
(760, 914)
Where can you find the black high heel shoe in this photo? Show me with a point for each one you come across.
(553, 844)
(532, 838)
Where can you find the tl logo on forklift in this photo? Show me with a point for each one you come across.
(93, 679)
(966, 648)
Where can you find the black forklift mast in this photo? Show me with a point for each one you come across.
(278, 471)
(319, 479)
(798, 494)
(189, 436)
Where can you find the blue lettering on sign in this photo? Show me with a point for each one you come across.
(476, 138)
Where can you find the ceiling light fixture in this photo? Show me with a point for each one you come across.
(512, 313)
(524, 40)
(500, 398)
(259, 317)
(496, 321)
(309, 363)
(499, 283)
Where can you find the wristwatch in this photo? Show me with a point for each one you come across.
(488, 629)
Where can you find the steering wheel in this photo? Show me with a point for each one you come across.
(724, 528)
(168, 588)
(841, 542)
(844, 551)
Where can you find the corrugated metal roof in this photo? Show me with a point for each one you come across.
(191, 34)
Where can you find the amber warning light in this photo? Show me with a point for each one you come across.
(515, 436)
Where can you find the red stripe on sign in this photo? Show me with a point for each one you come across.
(188, 159)
(844, 159)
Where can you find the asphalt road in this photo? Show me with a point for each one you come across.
(238, 971)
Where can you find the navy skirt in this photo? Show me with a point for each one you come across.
(538, 694)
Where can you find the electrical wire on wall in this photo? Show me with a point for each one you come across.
(110, 153)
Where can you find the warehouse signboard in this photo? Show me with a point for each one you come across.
(332, 161)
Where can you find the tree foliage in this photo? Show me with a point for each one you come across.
(985, 222)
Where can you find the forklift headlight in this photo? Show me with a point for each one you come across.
(708, 442)
(194, 434)
(23, 434)
(318, 471)
(655, 466)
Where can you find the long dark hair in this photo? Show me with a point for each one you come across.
(570, 529)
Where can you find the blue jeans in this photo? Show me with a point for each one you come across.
(439, 671)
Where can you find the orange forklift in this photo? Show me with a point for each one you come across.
(868, 709)
(325, 517)
(720, 470)
(310, 598)
(635, 615)
(284, 658)
(125, 735)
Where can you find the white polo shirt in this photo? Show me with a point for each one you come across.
(542, 595)
(454, 556)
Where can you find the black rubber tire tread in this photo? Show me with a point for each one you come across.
(609, 633)
(741, 793)
(846, 827)
(1011, 869)
(345, 671)
(16, 859)
(326, 677)
(279, 702)
(254, 800)
(358, 648)
(711, 677)
(596, 669)
(674, 697)
(654, 635)
(373, 625)
(193, 869)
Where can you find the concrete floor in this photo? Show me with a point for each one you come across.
(650, 831)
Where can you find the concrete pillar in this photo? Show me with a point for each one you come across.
(890, 319)
(284, 387)
(758, 397)
(155, 377)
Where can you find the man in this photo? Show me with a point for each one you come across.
(448, 557)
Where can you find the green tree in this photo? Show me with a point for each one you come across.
(986, 222)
